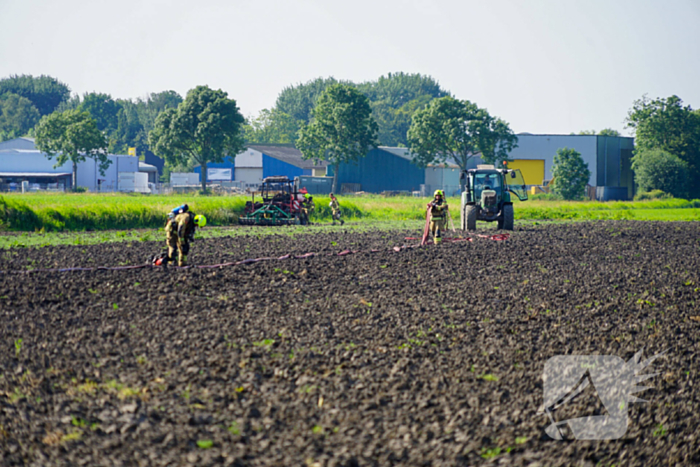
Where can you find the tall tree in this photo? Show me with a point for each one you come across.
(45, 92)
(450, 130)
(207, 126)
(299, 100)
(668, 125)
(570, 174)
(72, 136)
(272, 126)
(341, 130)
(103, 109)
(17, 116)
(394, 99)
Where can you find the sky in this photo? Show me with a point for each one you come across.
(543, 66)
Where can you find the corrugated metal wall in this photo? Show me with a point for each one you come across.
(274, 167)
(381, 171)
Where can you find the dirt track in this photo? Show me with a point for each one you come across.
(427, 356)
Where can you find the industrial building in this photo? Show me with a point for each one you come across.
(609, 160)
(259, 161)
(391, 169)
(21, 161)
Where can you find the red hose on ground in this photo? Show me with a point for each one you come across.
(426, 231)
(258, 260)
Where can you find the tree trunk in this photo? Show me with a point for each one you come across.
(204, 178)
(75, 176)
(334, 188)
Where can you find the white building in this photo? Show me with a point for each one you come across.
(21, 161)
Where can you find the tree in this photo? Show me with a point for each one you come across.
(272, 126)
(72, 136)
(667, 125)
(298, 101)
(206, 126)
(103, 109)
(655, 169)
(570, 174)
(17, 116)
(342, 128)
(45, 92)
(608, 132)
(603, 132)
(452, 130)
(395, 98)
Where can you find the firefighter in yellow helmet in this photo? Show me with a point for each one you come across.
(438, 215)
(179, 231)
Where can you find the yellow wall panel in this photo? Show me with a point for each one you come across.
(532, 170)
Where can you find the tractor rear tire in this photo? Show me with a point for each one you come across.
(508, 217)
(469, 216)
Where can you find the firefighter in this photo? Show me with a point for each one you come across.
(179, 232)
(438, 215)
(335, 208)
(308, 207)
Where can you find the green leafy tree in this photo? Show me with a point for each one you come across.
(45, 92)
(17, 116)
(603, 132)
(103, 109)
(655, 169)
(72, 136)
(149, 108)
(450, 130)
(570, 174)
(206, 127)
(272, 126)
(395, 98)
(299, 100)
(668, 125)
(342, 128)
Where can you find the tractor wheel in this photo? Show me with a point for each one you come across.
(507, 217)
(470, 212)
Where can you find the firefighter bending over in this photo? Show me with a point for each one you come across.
(179, 232)
(438, 213)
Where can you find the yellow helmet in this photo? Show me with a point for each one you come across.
(438, 192)
(200, 220)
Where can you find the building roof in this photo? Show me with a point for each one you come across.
(18, 143)
(143, 167)
(288, 154)
(35, 174)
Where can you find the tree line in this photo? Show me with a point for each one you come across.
(327, 119)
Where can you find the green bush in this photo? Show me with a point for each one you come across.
(655, 169)
(653, 194)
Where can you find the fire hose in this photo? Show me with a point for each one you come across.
(497, 237)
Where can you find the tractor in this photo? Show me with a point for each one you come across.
(280, 204)
(487, 196)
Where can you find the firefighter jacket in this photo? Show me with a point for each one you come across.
(438, 208)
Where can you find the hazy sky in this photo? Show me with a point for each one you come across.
(555, 66)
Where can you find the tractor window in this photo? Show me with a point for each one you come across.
(487, 181)
(516, 184)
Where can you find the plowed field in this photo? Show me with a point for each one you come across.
(425, 356)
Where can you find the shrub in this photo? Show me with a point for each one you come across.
(655, 169)
(570, 174)
(653, 194)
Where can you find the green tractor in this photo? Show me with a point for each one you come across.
(487, 196)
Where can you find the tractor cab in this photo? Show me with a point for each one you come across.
(487, 196)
